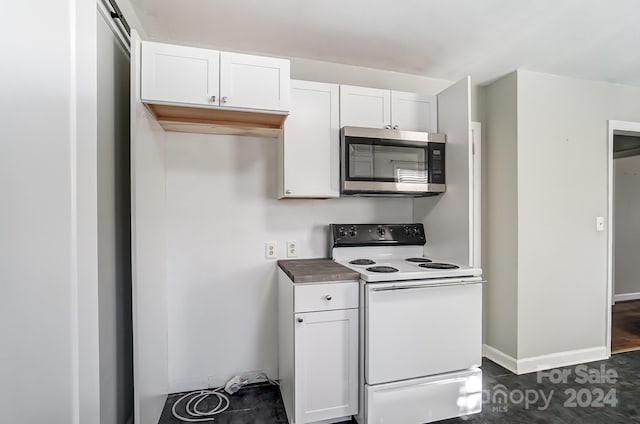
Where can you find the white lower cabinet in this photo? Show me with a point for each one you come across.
(326, 365)
(318, 358)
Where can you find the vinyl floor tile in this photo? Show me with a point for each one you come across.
(566, 402)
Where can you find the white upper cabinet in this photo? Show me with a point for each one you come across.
(311, 142)
(365, 107)
(254, 82)
(179, 74)
(414, 112)
(377, 108)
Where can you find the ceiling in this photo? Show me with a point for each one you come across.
(448, 39)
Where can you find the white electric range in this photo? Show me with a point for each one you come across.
(420, 326)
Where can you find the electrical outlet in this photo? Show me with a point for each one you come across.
(270, 250)
(292, 249)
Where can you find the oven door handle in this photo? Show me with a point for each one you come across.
(426, 286)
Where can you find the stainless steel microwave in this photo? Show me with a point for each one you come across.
(377, 162)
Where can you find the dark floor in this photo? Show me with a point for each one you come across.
(625, 331)
(618, 383)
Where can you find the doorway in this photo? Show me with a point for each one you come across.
(624, 236)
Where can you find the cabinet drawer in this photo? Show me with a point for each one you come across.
(326, 296)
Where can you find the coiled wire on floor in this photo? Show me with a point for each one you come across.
(193, 414)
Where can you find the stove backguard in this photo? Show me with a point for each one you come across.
(352, 235)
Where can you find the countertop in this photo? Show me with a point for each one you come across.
(316, 270)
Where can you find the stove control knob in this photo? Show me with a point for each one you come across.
(407, 231)
(416, 231)
(342, 232)
(380, 232)
(353, 231)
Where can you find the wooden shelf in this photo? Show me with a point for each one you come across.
(218, 121)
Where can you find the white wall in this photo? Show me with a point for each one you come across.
(315, 70)
(221, 208)
(148, 255)
(114, 228)
(560, 160)
(447, 217)
(562, 182)
(48, 249)
(627, 225)
(500, 263)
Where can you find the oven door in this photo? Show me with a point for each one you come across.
(375, 163)
(420, 328)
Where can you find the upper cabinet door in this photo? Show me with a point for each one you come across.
(178, 74)
(365, 107)
(254, 82)
(311, 141)
(414, 112)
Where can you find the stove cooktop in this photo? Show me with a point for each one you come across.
(362, 262)
(439, 265)
(391, 252)
(389, 268)
(383, 269)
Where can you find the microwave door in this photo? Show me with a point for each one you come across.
(380, 166)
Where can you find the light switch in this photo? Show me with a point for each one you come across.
(600, 223)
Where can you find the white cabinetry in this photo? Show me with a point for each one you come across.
(310, 142)
(414, 112)
(326, 349)
(179, 74)
(188, 75)
(318, 357)
(364, 107)
(377, 108)
(254, 82)
(206, 91)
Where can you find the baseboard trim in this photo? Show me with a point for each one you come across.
(626, 296)
(545, 362)
(562, 359)
(500, 358)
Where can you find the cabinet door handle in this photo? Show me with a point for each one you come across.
(300, 320)
(213, 99)
(287, 192)
(387, 127)
(328, 297)
(395, 127)
(225, 99)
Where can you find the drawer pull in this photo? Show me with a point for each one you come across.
(300, 320)
(328, 297)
